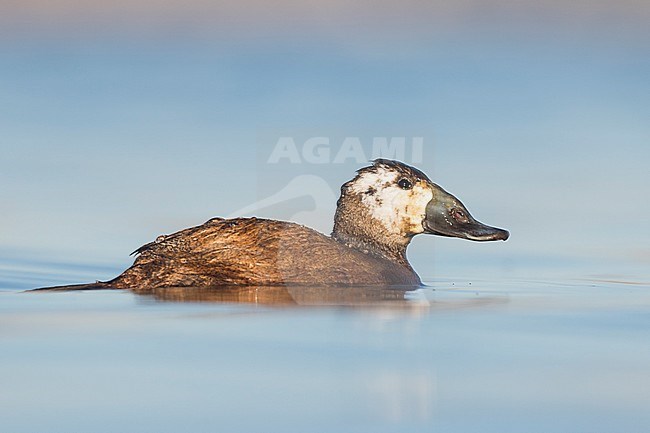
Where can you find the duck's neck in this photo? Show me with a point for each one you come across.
(368, 236)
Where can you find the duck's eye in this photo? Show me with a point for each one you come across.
(405, 183)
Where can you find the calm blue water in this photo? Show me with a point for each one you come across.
(493, 355)
(122, 121)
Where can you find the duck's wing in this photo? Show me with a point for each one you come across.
(179, 241)
(251, 251)
(236, 251)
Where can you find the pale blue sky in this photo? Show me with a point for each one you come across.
(537, 120)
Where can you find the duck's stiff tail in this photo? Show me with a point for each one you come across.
(98, 285)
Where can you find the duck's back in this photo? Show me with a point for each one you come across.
(251, 251)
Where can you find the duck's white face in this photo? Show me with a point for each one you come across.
(397, 201)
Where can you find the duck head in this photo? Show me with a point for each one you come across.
(388, 203)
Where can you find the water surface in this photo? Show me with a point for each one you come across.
(495, 355)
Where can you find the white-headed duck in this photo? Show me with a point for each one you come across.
(377, 215)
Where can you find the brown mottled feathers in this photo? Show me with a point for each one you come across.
(252, 251)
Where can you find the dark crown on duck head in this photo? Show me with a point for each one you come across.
(382, 208)
(397, 166)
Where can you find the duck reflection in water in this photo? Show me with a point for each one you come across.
(283, 296)
(370, 297)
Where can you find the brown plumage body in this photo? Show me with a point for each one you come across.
(252, 251)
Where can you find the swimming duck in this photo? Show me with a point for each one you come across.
(378, 214)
